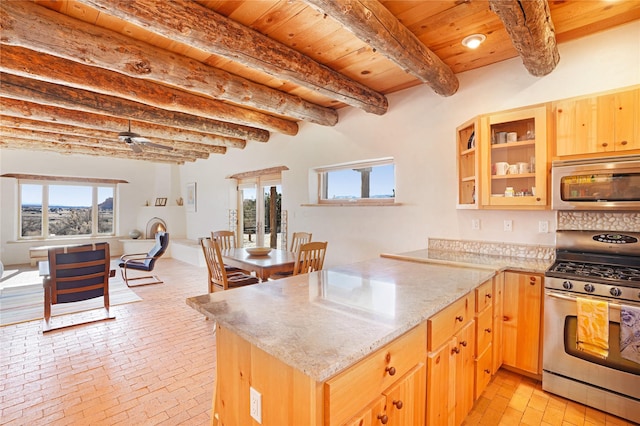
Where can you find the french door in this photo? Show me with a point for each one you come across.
(259, 212)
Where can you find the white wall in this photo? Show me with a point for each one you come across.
(147, 181)
(418, 131)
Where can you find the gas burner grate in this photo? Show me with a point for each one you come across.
(609, 272)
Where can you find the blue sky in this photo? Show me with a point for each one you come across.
(64, 195)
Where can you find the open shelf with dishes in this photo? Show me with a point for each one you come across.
(467, 164)
(502, 160)
(514, 153)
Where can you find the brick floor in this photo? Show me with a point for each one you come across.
(155, 365)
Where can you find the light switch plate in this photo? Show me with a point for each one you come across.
(475, 224)
(508, 225)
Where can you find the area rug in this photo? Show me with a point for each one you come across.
(25, 302)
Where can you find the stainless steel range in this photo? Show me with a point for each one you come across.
(597, 266)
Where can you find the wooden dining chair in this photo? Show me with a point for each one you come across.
(227, 240)
(297, 239)
(77, 273)
(219, 278)
(310, 257)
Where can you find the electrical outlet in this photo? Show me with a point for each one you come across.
(475, 224)
(543, 226)
(255, 402)
(508, 225)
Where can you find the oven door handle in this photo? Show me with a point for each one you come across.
(572, 298)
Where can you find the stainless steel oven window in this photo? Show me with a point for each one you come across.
(600, 187)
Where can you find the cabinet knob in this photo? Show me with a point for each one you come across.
(488, 330)
(455, 350)
(605, 144)
(623, 143)
(486, 370)
(383, 418)
(463, 343)
(538, 198)
(488, 295)
(505, 318)
(390, 370)
(532, 280)
(398, 404)
(460, 318)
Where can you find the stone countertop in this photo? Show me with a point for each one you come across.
(323, 322)
(475, 260)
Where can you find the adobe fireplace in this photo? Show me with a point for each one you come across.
(154, 225)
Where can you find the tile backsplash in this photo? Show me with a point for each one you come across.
(493, 248)
(599, 221)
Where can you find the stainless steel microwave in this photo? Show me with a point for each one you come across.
(596, 184)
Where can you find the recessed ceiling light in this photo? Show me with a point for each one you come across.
(473, 41)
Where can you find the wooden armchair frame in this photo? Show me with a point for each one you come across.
(76, 273)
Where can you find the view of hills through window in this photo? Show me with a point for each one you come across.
(67, 210)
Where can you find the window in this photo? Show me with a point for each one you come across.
(364, 182)
(66, 209)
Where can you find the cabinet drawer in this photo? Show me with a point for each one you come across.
(484, 296)
(354, 388)
(483, 372)
(484, 330)
(449, 321)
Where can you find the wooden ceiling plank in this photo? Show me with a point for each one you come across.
(44, 67)
(16, 87)
(63, 178)
(45, 114)
(372, 22)
(31, 26)
(532, 33)
(195, 25)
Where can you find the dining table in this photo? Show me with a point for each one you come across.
(276, 261)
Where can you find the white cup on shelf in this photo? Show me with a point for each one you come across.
(502, 167)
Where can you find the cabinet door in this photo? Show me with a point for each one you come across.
(464, 358)
(498, 291)
(440, 386)
(406, 399)
(576, 127)
(514, 158)
(617, 121)
(521, 325)
(373, 415)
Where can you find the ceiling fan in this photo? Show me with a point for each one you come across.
(136, 142)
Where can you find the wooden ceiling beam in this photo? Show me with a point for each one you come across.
(532, 33)
(371, 22)
(195, 25)
(44, 67)
(43, 30)
(109, 144)
(16, 87)
(8, 123)
(70, 149)
(46, 114)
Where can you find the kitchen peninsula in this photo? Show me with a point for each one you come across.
(326, 347)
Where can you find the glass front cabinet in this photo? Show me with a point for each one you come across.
(512, 169)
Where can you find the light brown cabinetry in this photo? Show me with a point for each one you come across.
(484, 337)
(521, 333)
(467, 164)
(502, 160)
(496, 349)
(396, 372)
(450, 362)
(599, 124)
(517, 138)
(401, 404)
